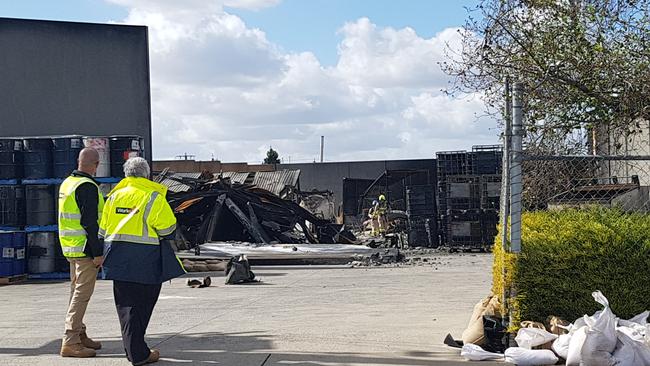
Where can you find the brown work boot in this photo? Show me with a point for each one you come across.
(154, 356)
(89, 343)
(77, 350)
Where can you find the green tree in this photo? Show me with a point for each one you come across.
(585, 64)
(272, 157)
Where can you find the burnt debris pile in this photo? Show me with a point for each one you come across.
(212, 209)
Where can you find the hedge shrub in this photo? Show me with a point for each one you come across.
(568, 254)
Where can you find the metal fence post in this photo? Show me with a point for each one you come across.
(515, 170)
(504, 205)
(505, 175)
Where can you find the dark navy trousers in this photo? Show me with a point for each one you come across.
(135, 303)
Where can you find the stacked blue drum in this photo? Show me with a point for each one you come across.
(13, 253)
(31, 172)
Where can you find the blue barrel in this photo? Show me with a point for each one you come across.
(66, 152)
(123, 148)
(38, 158)
(11, 159)
(12, 205)
(39, 205)
(20, 251)
(41, 252)
(7, 254)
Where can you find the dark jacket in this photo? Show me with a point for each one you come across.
(86, 197)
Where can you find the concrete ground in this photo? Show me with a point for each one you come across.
(295, 316)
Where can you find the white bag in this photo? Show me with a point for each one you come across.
(574, 356)
(631, 350)
(561, 345)
(601, 338)
(641, 318)
(473, 352)
(533, 337)
(639, 322)
(530, 357)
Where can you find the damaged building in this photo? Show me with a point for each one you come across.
(330, 202)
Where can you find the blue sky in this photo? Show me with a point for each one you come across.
(296, 25)
(229, 78)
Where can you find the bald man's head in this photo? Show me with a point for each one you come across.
(88, 160)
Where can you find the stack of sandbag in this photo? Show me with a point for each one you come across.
(534, 343)
(209, 265)
(475, 332)
(598, 340)
(604, 340)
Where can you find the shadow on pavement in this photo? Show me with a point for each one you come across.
(241, 349)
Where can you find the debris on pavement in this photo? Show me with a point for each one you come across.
(195, 283)
(239, 271)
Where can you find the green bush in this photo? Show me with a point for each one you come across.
(568, 254)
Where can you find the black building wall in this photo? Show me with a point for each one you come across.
(329, 176)
(62, 78)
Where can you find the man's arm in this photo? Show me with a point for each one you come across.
(163, 219)
(87, 200)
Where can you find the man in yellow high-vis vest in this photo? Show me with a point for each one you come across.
(80, 207)
(137, 224)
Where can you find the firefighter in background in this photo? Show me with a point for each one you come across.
(377, 215)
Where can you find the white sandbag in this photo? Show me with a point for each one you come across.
(533, 337)
(530, 357)
(631, 349)
(561, 345)
(473, 352)
(639, 322)
(574, 356)
(624, 356)
(631, 333)
(641, 318)
(601, 339)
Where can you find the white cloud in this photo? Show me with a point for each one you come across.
(220, 87)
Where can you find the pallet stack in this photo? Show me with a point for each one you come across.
(421, 211)
(468, 197)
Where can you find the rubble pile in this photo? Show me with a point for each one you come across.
(216, 210)
(388, 256)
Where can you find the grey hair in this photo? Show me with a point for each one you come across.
(137, 167)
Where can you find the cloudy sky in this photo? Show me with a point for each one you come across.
(232, 77)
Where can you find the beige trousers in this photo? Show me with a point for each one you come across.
(83, 275)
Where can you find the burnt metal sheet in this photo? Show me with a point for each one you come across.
(234, 177)
(276, 182)
(173, 185)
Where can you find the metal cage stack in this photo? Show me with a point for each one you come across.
(468, 196)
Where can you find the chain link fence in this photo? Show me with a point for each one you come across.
(585, 206)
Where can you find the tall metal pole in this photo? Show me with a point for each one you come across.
(515, 170)
(505, 188)
(322, 145)
(505, 176)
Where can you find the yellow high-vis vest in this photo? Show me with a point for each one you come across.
(137, 212)
(72, 235)
(135, 219)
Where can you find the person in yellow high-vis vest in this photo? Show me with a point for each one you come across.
(80, 207)
(137, 225)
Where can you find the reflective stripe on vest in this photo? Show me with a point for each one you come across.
(72, 236)
(69, 250)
